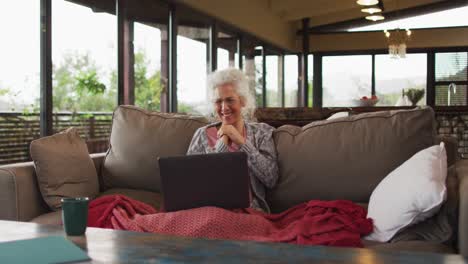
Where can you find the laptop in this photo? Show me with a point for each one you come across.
(218, 179)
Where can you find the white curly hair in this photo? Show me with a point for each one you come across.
(241, 85)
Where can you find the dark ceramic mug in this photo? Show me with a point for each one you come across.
(75, 215)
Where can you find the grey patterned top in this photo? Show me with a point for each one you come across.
(261, 157)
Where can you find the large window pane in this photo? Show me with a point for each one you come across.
(290, 80)
(223, 59)
(19, 78)
(192, 68)
(252, 67)
(227, 51)
(310, 75)
(273, 78)
(259, 75)
(19, 55)
(84, 60)
(346, 79)
(150, 80)
(451, 66)
(393, 76)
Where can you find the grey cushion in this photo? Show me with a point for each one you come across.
(137, 139)
(64, 167)
(151, 198)
(346, 158)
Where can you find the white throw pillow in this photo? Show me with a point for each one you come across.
(410, 194)
(338, 115)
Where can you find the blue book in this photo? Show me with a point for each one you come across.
(52, 249)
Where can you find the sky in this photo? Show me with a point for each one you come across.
(78, 29)
(19, 56)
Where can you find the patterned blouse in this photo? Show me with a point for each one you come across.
(261, 157)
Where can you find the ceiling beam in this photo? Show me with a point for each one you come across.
(389, 16)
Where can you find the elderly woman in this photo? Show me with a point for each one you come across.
(234, 105)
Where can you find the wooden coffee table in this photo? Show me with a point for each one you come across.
(111, 246)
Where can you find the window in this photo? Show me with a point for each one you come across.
(227, 51)
(392, 76)
(273, 81)
(223, 59)
(84, 59)
(20, 55)
(253, 69)
(150, 78)
(19, 78)
(346, 79)
(291, 81)
(259, 75)
(192, 69)
(451, 78)
(310, 76)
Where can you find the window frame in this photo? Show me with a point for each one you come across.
(430, 83)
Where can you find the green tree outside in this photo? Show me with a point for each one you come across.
(77, 86)
(147, 89)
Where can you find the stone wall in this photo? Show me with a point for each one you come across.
(455, 125)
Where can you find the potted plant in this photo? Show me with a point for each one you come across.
(414, 95)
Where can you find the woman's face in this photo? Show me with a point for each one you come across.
(228, 104)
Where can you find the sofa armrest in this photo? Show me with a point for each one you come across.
(462, 173)
(20, 197)
(98, 159)
(451, 147)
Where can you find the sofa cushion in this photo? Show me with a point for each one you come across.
(137, 139)
(64, 167)
(347, 157)
(151, 198)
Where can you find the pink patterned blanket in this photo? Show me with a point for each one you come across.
(335, 223)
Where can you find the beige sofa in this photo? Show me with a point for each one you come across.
(343, 158)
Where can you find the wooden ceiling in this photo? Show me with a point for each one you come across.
(324, 15)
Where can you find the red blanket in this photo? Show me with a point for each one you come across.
(334, 223)
(101, 210)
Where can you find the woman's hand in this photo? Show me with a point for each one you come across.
(231, 133)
